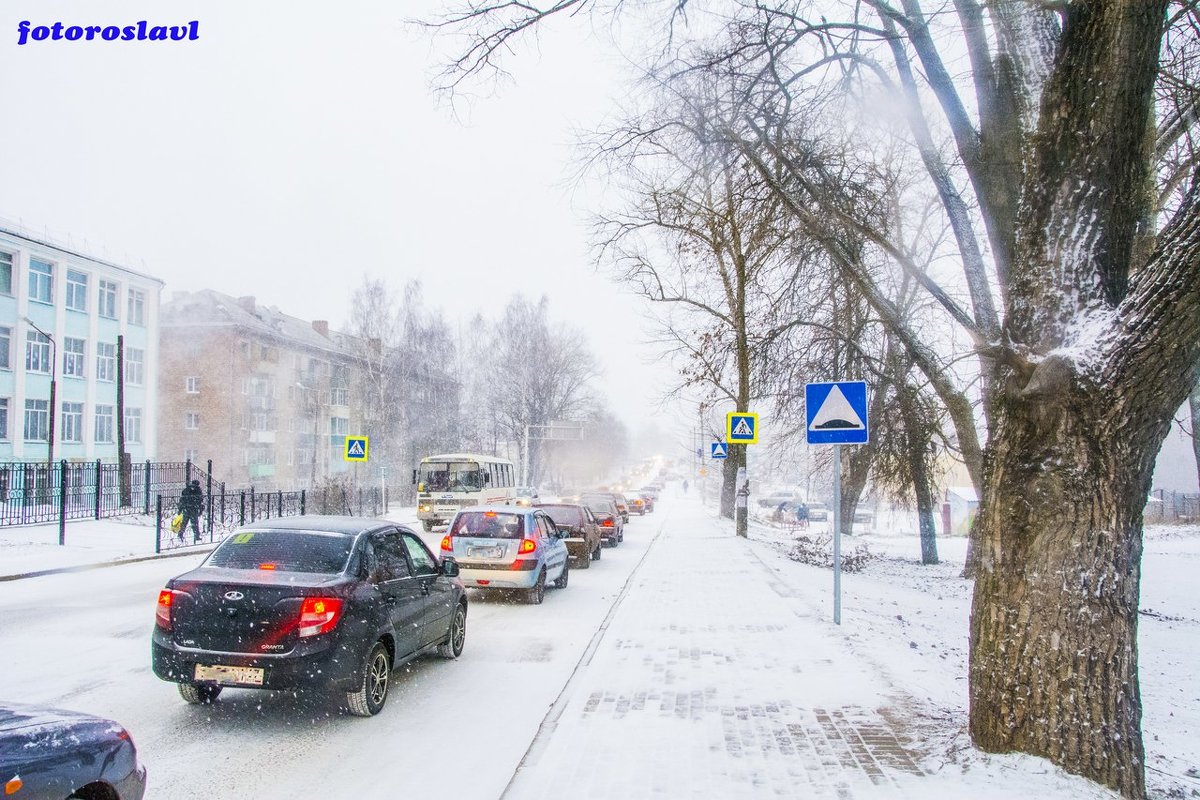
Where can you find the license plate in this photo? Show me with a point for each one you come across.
(485, 552)
(219, 673)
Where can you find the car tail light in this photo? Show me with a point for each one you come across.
(162, 615)
(607, 522)
(527, 546)
(319, 615)
(446, 545)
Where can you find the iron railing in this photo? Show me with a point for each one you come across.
(1168, 506)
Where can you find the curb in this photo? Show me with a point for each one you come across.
(116, 563)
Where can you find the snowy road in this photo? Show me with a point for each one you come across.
(82, 641)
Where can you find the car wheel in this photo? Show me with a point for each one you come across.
(561, 581)
(538, 593)
(198, 694)
(456, 637)
(428, 523)
(585, 560)
(621, 535)
(598, 551)
(372, 694)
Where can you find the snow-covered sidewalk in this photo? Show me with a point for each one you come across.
(719, 674)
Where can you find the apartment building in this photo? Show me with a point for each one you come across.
(264, 395)
(61, 313)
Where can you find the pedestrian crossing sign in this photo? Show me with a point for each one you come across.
(741, 427)
(356, 448)
(720, 450)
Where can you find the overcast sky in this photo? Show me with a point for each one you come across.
(297, 146)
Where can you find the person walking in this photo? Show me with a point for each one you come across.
(685, 485)
(191, 500)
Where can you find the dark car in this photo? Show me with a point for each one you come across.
(649, 500)
(583, 539)
(51, 754)
(309, 602)
(612, 524)
(636, 504)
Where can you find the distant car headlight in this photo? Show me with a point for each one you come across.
(426, 508)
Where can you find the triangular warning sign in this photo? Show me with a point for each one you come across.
(743, 428)
(719, 450)
(836, 413)
(356, 448)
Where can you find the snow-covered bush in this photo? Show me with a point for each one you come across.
(817, 550)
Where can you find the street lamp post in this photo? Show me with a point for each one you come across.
(53, 392)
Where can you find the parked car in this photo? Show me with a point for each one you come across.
(308, 602)
(818, 512)
(774, 499)
(506, 547)
(864, 521)
(612, 524)
(51, 753)
(582, 529)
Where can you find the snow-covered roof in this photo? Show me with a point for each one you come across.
(967, 493)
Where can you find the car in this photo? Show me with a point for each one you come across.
(818, 512)
(525, 496)
(650, 490)
(508, 547)
(649, 500)
(612, 525)
(864, 521)
(54, 753)
(583, 540)
(324, 603)
(775, 499)
(637, 505)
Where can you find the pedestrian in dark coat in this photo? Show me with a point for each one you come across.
(191, 501)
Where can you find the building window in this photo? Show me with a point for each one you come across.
(6, 267)
(37, 352)
(37, 420)
(339, 426)
(74, 357)
(106, 361)
(108, 299)
(137, 307)
(72, 422)
(135, 366)
(3, 419)
(190, 454)
(104, 424)
(41, 281)
(339, 396)
(192, 421)
(193, 384)
(133, 426)
(77, 290)
(5, 347)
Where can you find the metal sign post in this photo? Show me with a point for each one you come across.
(740, 498)
(837, 534)
(837, 414)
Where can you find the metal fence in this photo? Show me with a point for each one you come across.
(1168, 506)
(33, 493)
(224, 511)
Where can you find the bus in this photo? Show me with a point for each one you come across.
(448, 482)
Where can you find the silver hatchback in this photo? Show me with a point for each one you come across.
(508, 547)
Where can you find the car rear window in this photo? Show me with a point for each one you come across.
(287, 551)
(564, 515)
(489, 525)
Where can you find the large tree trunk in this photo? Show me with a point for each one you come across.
(1194, 402)
(1054, 627)
(729, 468)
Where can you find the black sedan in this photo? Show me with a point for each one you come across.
(309, 602)
(51, 754)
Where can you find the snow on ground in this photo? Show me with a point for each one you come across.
(899, 656)
(911, 621)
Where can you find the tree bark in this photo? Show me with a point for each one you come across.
(1194, 403)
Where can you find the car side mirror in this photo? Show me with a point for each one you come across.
(449, 567)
